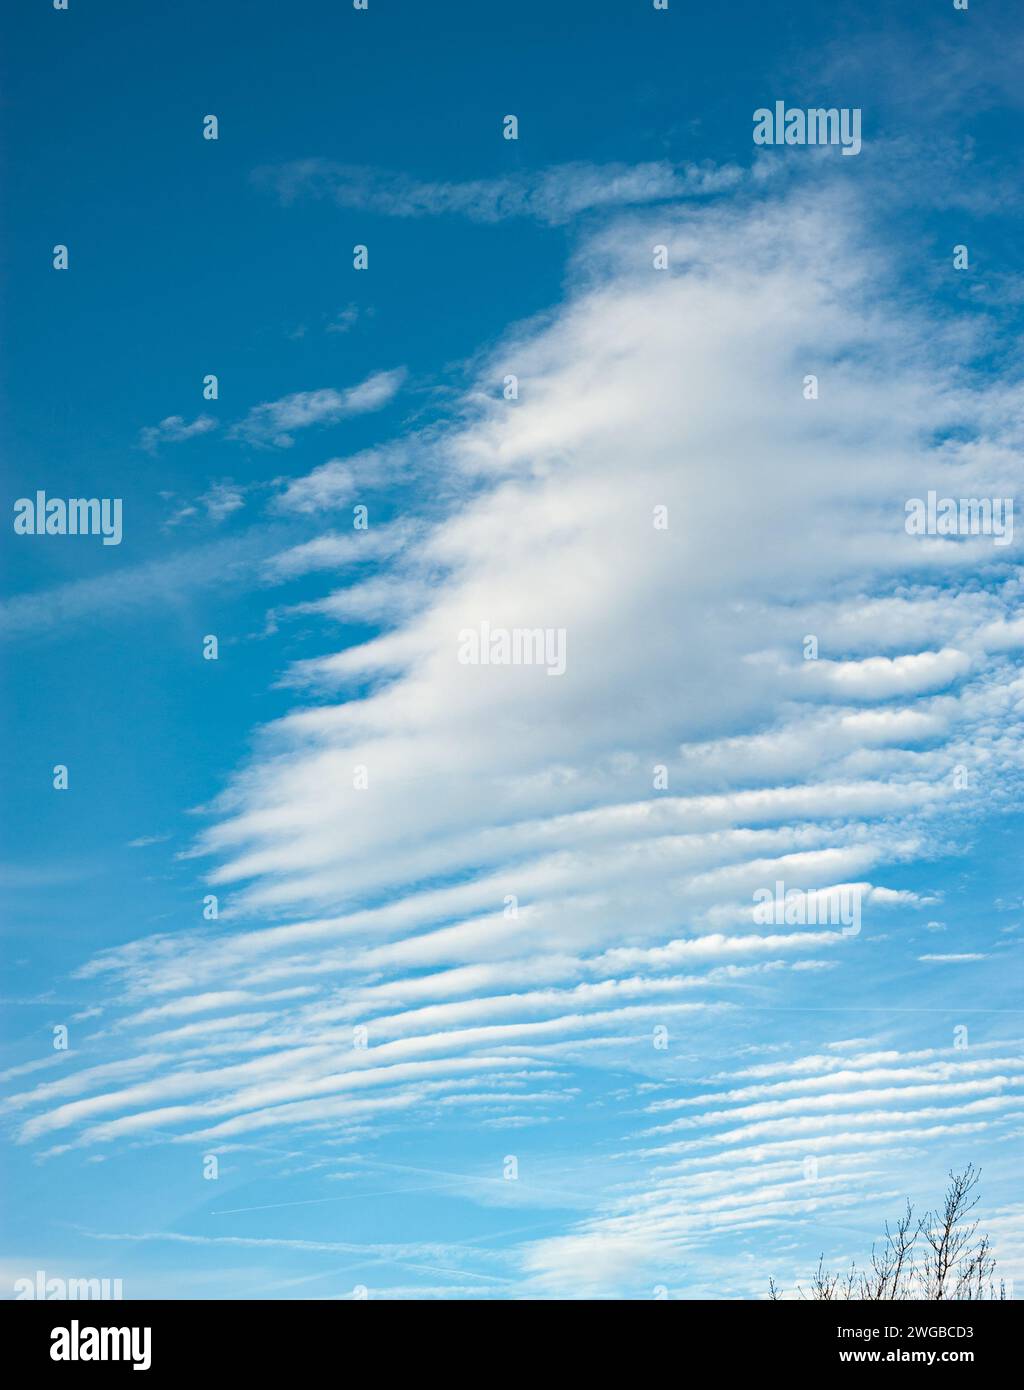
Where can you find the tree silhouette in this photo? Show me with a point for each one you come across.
(937, 1257)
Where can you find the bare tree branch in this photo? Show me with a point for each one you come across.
(937, 1257)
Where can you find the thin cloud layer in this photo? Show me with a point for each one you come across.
(552, 196)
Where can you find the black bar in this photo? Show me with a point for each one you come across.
(313, 1338)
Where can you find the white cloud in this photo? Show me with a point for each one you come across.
(274, 422)
(344, 320)
(882, 677)
(339, 550)
(954, 958)
(173, 430)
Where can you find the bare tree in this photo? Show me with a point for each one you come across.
(892, 1266)
(939, 1256)
(957, 1263)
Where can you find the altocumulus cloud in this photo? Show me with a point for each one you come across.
(371, 848)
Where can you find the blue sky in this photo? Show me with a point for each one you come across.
(495, 1037)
